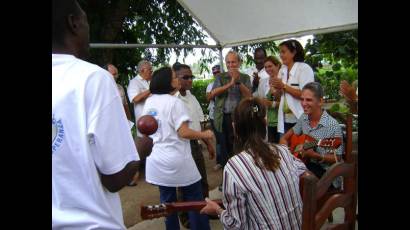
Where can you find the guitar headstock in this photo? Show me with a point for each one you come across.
(333, 142)
(154, 211)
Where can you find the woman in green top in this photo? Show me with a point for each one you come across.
(272, 98)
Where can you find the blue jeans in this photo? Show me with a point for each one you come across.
(191, 192)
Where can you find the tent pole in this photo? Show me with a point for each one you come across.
(221, 60)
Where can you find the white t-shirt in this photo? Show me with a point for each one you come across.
(262, 75)
(90, 134)
(193, 108)
(170, 162)
(300, 74)
(136, 86)
(211, 105)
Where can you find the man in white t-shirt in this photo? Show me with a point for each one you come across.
(93, 153)
(258, 72)
(196, 114)
(138, 89)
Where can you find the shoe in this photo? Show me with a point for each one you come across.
(212, 217)
(217, 167)
(132, 184)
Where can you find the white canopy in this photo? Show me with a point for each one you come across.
(238, 22)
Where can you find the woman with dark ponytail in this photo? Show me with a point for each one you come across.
(261, 182)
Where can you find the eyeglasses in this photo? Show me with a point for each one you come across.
(187, 77)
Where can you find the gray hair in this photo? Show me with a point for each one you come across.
(142, 63)
(234, 53)
(316, 89)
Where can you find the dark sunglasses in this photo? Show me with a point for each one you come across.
(187, 77)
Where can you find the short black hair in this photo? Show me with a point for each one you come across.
(293, 45)
(61, 9)
(260, 49)
(161, 81)
(178, 66)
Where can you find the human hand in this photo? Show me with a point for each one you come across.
(211, 207)
(256, 79)
(234, 73)
(347, 90)
(211, 151)
(277, 83)
(208, 134)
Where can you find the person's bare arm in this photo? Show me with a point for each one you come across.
(127, 111)
(117, 181)
(210, 147)
(327, 158)
(278, 84)
(185, 132)
(141, 97)
(245, 92)
(286, 138)
(209, 96)
(217, 91)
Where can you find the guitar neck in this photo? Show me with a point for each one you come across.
(161, 210)
(310, 145)
(191, 205)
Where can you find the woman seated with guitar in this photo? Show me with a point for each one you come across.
(261, 183)
(315, 123)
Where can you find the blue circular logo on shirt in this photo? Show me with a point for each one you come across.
(57, 134)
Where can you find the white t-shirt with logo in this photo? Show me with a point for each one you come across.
(170, 162)
(90, 134)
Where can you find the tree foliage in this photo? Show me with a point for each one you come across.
(338, 49)
(141, 22)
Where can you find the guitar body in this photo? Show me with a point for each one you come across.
(297, 142)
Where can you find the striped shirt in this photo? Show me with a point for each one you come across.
(257, 198)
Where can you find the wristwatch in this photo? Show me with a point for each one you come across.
(237, 82)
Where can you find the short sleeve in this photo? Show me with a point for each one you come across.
(209, 87)
(133, 89)
(179, 114)
(108, 132)
(297, 128)
(306, 75)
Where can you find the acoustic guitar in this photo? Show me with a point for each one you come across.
(163, 210)
(299, 143)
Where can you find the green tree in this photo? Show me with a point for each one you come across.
(143, 22)
(339, 51)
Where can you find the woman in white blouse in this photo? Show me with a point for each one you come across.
(261, 183)
(293, 75)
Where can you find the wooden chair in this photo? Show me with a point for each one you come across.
(319, 201)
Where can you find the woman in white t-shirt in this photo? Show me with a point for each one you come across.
(170, 164)
(293, 75)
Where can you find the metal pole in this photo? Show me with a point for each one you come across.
(128, 46)
(221, 60)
